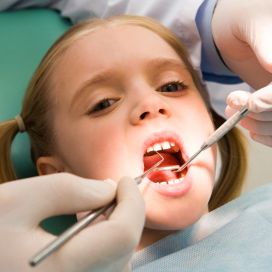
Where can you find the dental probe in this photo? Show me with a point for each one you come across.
(90, 217)
(218, 134)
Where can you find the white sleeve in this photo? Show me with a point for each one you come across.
(177, 15)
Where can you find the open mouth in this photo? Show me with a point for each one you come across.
(172, 155)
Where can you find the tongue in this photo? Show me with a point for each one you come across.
(159, 176)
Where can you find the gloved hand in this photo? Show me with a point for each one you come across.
(105, 246)
(259, 120)
(242, 31)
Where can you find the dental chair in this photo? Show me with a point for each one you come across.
(25, 36)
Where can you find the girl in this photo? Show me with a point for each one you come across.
(105, 97)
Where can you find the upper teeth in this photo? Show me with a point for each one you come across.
(163, 146)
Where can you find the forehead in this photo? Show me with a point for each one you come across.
(125, 50)
(114, 45)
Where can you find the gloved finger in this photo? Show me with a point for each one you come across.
(238, 99)
(128, 192)
(257, 127)
(262, 116)
(37, 198)
(261, 100)
(263, 139)
(110, 242)
(253, 125)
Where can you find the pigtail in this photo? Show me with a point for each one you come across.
(233, 154)
(8, 131)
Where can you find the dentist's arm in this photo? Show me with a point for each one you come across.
(242, 32)
(105, 246)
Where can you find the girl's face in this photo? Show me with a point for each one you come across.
(117, 93)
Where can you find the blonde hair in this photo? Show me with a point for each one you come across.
(37, 109)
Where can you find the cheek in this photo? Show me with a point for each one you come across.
(89, 149)
(202, 117)
(193, 111)
(107, 151)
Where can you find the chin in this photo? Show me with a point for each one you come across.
(173, 220)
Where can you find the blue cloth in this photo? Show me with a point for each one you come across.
(212, 66)
(235, 237)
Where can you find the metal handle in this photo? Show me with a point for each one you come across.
(85, 221)
(225, 128)
(68, 234)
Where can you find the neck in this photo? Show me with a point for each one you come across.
(151, 236)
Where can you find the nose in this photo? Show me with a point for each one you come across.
(148, 108)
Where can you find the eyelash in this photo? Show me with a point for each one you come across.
(106, 103)
(181, 84)
(100, 106)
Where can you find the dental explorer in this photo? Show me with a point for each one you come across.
(218, 134)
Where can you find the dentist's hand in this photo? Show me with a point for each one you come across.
(242, 31)
(105, 246)
(259, 120)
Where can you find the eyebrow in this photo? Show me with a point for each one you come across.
(105, 76)
(163, 63)
(97, 79)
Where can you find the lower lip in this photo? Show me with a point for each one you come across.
(173, 190)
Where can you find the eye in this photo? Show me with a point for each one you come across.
(175, 86)
(102, 105)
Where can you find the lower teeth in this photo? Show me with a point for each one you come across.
(171, 181)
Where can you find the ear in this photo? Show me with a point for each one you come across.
(49, 165)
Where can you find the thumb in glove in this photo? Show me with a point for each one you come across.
(259, 119)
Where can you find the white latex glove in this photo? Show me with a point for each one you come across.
(106, 246)
(259, 120)
(242, 31)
